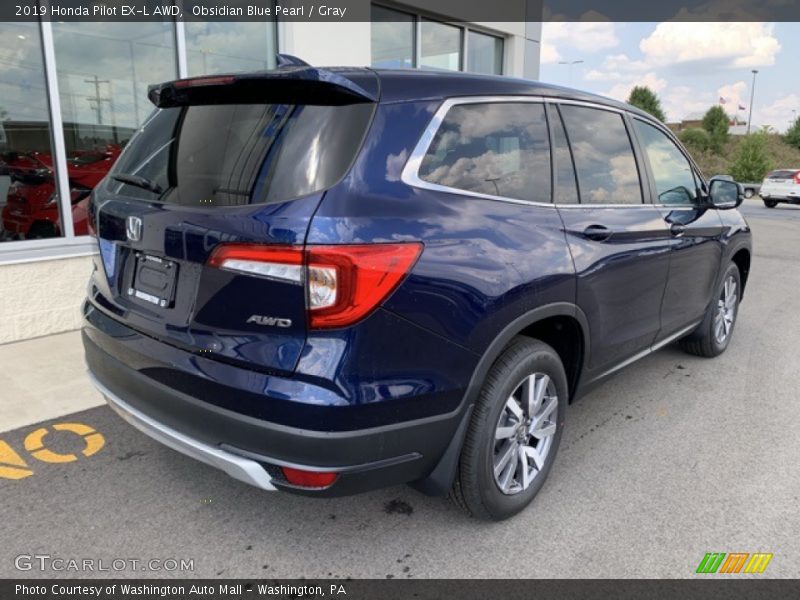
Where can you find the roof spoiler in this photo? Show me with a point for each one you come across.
(293, 82)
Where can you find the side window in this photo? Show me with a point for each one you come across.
(673, 175)
(565, 186)
(604, 159)
(500, 149)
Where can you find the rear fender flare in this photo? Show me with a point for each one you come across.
(441, 477)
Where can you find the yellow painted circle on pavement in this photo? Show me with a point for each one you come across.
(34, 443)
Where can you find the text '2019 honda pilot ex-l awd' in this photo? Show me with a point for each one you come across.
(326, 281)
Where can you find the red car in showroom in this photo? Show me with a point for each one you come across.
(31, 209)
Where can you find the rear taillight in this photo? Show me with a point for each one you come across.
(344, 283)
(282, 263)
(797, 177)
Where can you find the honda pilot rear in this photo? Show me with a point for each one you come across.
(333, 280)
(212, 324)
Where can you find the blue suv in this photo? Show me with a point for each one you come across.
(326, 281)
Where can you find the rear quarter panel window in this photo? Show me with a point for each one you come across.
(498, 149)
(604, 159)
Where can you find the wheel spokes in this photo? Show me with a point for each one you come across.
(542, 426)
(503, 433)
(524, 468)
(535, 456)
(507, 474)
(539, 389)
(514, 409)
(543, 429)
(502, 461)
(521, 443)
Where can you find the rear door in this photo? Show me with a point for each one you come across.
(200, 175)
(619, 243)
(695, 231)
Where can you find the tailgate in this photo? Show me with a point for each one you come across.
(199, 175)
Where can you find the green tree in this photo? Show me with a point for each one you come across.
(751, 162)
(792, 136)
(716, 123)
(643, 97)
(696, 139)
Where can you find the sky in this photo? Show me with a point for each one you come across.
(689, 65)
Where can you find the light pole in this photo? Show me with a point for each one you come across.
(752, 95)
(570, 63)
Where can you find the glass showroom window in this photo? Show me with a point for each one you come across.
(28, 190)
(103, 71)
(440, 46)
(402, 40)
(227, 47)
(484, 53)
(393, 38)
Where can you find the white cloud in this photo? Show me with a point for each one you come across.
(680, 102)
(622, 90)
(735, 95)
(560, 38)
(549, 54)
(616, 67)
(582, 35)
(778, 114)
(735, 45)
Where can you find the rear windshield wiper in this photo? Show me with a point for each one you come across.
(138, 181)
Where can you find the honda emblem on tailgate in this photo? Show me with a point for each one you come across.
(133, 227)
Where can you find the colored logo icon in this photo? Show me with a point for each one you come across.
(735, 562)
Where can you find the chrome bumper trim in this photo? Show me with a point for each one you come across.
(238, 467)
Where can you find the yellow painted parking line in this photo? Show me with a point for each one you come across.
(94, 441)
(34, 443)
(13, 466)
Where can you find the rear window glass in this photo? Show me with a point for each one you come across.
(782, 174)
(499, 149)
(233, 154)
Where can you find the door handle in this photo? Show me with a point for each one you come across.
(598, 233)
(677, 230)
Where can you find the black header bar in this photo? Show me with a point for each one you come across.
(360, 10)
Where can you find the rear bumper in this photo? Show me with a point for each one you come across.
(145, 392)
(243, 469)
(780, 196)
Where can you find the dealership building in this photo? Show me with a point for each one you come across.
(73, 93)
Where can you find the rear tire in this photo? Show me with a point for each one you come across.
(712, 336)
(514, 432)
(770, 203)
(749, 193)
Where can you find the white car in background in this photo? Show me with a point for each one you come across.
(781, 185)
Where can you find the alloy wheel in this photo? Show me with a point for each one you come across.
(726, 310)
(524, 433)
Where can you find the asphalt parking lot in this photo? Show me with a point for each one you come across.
(674, 457)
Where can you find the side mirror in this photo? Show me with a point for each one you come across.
(724, 193)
